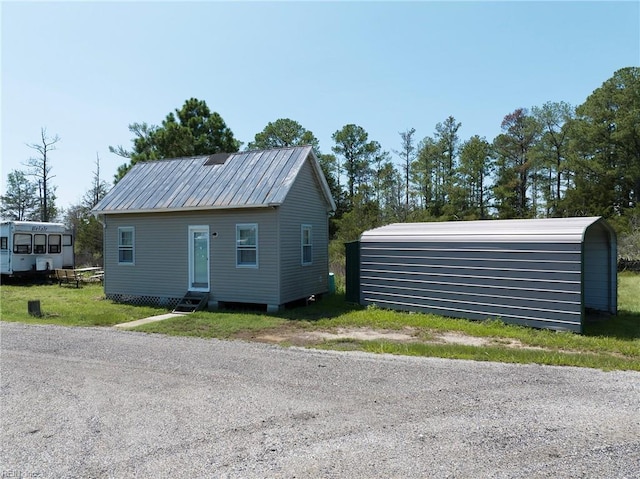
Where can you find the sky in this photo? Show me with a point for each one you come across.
(87, 70)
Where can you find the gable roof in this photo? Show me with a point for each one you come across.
(545, 230)
(249, 179)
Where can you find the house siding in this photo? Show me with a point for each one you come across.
(161, 270)
(238, 284)
(305, 204)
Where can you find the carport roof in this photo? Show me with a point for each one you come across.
(547, 230)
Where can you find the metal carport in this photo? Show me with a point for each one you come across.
(544, 273)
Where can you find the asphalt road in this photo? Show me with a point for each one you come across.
(90, 402)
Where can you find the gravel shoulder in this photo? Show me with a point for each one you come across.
(98, 402)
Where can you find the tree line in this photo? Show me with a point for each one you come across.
(553, 160)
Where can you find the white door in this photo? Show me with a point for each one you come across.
(198, 258)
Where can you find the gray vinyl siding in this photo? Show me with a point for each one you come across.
(160, 265)
(238, 284)
(161, 256)
(540, 273)
(304, 205)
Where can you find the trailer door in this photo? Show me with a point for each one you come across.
(5, 256)
(68, 260)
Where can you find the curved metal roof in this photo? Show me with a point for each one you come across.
(248, 179)
(547, 230)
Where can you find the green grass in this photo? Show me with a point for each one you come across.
(612, 343)
(68, 306)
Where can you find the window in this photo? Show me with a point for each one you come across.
(22, 243)
(307, 245)
(39, 244)
(54, 244)
(247, 245)
(4, 242)
(67, 240)
(125, 245)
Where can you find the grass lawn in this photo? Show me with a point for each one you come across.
(68, 305)
(613, 343)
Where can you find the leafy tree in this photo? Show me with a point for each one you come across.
(629, 239)
(515, 165)
(553, 149)
(388, 190)
(40, 168)
(329, 165)
(20, 203)
(606, 148)
(423, 172)
(193, 130)
(283, 133)
(473, 170)
(446, 135)
(351, 142)
(363, 216)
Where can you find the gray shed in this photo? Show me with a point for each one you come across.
(545, 273)
(249, 227)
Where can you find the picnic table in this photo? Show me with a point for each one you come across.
(90, 274)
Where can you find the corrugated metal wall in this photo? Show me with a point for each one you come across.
(352, 271)
(537, 284)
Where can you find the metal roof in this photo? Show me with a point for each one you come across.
(249, 179)
(547, 230)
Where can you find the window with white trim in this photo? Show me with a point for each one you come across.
(4, 242)
(307, 245)
(247, 245)
(126, 243)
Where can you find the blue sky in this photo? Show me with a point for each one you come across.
(86, 70)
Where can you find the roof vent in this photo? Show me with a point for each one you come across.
(217, 159)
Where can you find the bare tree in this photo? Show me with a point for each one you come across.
(98, 188)
(40, 168)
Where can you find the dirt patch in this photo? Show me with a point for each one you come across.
(406, 335)
(363, 334)
(457, 338)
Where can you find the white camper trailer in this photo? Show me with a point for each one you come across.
(30, 247)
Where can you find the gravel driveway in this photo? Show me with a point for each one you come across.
(91, 402)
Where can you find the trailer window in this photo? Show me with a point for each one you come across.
(54, 244)
(4, 242)
(67, 240)
(125, 245)
(22, 243)
(39, 244)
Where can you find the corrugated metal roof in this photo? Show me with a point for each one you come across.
(247, 179)
(562, 230)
